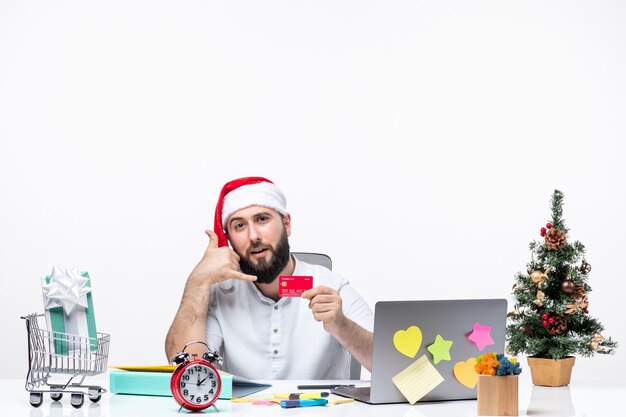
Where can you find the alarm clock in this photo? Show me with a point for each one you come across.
(196, 384)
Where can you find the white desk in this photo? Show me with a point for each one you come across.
(578, 400)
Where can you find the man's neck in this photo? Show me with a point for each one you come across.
(271, 290)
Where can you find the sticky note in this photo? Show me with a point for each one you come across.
(481, 335)
(293, 285)
(440, 349)
(408, 341)
(336, 399)
(255, 399)
(465, 373)
(417, 380)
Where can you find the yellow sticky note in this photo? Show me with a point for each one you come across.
(408, 341)
(253, 399)
(336, 399)
(417, 380)
(145, 368)
(465, 373)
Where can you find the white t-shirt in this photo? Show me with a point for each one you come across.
(262, 339)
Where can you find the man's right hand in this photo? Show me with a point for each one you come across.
(190, 323)
(217, 264)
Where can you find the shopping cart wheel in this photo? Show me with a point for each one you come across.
(56, 396)
(36, 399)
(77, 400)
(95, 394)
(95, 398)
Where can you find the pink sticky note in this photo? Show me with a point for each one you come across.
(481, 335)
(264, 402)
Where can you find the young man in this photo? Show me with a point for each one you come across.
(231, 297)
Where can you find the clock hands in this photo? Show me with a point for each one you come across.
(195, 399)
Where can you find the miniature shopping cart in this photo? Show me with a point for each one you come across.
(70, 356)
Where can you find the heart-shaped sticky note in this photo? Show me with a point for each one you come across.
(408, 341)
(465, 373)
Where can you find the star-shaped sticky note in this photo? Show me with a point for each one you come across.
(440, 349)
(481, 335)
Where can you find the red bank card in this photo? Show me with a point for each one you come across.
(293, 285)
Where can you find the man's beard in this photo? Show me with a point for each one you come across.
(267, 271)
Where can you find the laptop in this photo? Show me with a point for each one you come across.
(452, 319)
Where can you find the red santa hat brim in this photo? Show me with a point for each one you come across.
(243, 193)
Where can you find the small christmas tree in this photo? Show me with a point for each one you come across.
(551, 315)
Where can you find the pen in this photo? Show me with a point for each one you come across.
(302, 395)
(325, 386)
(303, 403)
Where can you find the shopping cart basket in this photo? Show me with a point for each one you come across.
(65, 354)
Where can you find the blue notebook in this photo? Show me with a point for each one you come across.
(158, 384)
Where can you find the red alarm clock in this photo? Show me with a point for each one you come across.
(196, 384)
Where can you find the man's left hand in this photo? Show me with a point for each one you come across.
(325, 303)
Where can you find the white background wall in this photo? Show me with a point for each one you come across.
(418, 143)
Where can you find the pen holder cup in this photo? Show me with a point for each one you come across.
(497, 395)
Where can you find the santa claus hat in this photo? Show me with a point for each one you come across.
(242, 193)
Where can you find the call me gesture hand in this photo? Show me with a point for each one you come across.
(217, 264)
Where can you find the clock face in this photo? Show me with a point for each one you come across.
(199, 384)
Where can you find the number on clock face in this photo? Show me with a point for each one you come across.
(198, 384)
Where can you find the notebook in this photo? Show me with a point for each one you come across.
(155, 380)
(459, 321)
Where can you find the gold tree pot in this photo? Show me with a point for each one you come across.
(551, 372)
